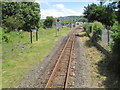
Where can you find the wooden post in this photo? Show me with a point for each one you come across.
(31, 36)
(108, 35)
(90, 28)
(36, 35)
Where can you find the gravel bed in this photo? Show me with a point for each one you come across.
(80, 67)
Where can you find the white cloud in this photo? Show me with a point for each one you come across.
(69, 0)
(37, 1)
(42, 1)
(60, 6)
(50, 12)
(57, 11)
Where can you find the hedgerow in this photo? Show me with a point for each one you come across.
(116, 37)
(116, 48)
(85, 26)
(97, 31)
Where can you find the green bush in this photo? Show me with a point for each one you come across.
(5, 37)
(5, 29)
(116, 26)
(49, 22)
(20, 34)
(97, 31)
(85, 26)
(116, 48)
(116, 37)
(12, 24)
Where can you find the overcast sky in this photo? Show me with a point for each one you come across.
(57, 8)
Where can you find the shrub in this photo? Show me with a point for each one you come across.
(13, 24)
(5, 37)
(116, 37)
(19, 33)
(85, 26)
(116, 48)
(116, 26)
(97, 31)
(5, 29)
(49, 21)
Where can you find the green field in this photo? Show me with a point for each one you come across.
(19, 55)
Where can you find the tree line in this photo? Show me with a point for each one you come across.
(50, 21)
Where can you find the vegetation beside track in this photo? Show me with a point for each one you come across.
(19, 56)
(101, 74)
(0, 58)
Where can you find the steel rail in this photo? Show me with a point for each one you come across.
(56, 66)
(69, 63)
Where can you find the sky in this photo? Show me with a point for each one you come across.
(60, 8)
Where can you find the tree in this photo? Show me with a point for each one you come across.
(88, 12)
(49, 21)
(13, 24)
(103, 14)
(28, 12)
(118, 12)
(31, 15)
(109, 17)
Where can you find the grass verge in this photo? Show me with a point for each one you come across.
(101, 75)
(19, 56)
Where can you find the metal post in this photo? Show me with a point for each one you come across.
(60, 31)
(57, 31)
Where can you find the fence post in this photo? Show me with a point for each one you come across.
(90, 29)
(36, 35)
(108, 34)
(31, 36)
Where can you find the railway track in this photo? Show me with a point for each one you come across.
(60, 75)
